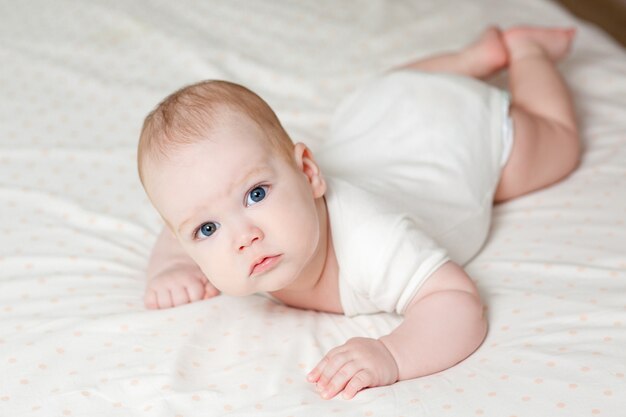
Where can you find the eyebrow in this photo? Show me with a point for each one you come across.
(232, 186)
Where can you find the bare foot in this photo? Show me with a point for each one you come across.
(489, 53)
(529, 40)
(480, 59)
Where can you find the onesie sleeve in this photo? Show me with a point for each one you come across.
(407, 262)
(384, 255)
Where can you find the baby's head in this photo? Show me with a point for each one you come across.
(232, 187)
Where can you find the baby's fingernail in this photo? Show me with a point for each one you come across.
(325, 395)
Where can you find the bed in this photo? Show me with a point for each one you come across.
(76, 230)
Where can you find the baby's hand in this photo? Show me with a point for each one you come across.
(176, 285)
(359, 363)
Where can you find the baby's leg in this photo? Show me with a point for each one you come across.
(546, 147)
(481, 59)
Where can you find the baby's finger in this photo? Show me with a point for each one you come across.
(195, 291)
(360, 380)
(164, 299)
(339, 380)
(210, 291)
(315, 374)
(150, 299)
(333, 365)
(179, 295)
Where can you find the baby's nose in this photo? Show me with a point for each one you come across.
(248, 237)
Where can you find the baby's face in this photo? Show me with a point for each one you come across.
(232, 201)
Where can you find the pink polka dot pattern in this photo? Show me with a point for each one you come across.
(76, 229)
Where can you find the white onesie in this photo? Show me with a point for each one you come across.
(412, 165)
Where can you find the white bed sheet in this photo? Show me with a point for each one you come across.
(76, 80)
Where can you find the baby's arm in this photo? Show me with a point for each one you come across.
(443, 324)
(173, 277)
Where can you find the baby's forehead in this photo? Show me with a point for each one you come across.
(233, 144)
(224, 161)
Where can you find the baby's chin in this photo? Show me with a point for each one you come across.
(267, 285)
(258, 287)
(271, 284)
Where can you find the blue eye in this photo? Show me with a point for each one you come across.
(256, 194)
(206, 230)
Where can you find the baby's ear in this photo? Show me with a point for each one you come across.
(306, 163)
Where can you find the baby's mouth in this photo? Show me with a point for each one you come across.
(264, 264)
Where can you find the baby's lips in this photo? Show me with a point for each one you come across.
(260, 260)
(255, 263)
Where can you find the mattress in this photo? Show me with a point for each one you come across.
(76, 229)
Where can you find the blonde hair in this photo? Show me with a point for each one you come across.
(187, 116)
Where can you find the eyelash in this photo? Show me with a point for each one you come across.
(197, 229)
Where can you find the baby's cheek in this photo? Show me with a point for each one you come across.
(213, 274)
(303, 222)
(309, 231)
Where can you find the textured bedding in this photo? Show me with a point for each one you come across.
(76, 230)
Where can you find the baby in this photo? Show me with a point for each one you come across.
(248, 211)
